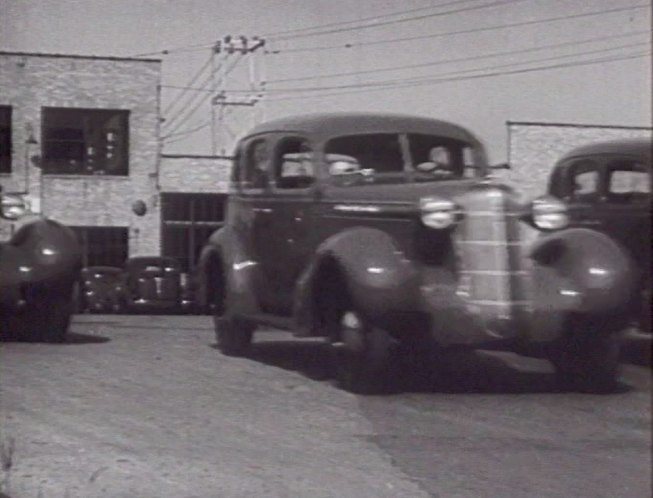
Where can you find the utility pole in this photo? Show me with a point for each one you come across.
(222, 52)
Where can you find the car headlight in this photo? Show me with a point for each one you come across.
(549, 213)
(13, 207)
(438, 213)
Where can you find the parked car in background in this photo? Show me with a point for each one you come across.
(607, 187)
(384, 234)
(39, 265)
(153, 283)
(102, 290)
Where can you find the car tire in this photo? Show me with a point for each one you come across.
(362, 355)
(233, 336)
(46, 319)
(587, 359)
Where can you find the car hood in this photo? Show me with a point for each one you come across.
(409, 194)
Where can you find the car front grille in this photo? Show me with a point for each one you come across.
(493, 279)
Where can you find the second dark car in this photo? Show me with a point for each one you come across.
(152, 283)
(607, 187)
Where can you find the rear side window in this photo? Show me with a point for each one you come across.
(628, 179)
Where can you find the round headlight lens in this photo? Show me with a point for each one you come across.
(549, 213)
(438, 213)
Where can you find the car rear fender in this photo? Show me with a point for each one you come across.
(583, 271)
(362, 265)
(224, 269)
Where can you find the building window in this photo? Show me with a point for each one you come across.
(188, 221)
(103, 246)
(5, 139)
(85, 141)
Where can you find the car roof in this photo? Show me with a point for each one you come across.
(323, 126)
(637, 147)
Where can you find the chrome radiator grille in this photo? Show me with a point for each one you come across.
(492, 277)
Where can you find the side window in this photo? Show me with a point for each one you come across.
(583, 180)
(293, 165)
(255, 167)
(628, 181)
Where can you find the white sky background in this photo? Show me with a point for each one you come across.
(614, 92)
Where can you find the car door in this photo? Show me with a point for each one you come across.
(254, 223)
(579, 184)
(624, 212)
(284, 244)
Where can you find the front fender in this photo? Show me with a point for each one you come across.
(378, 276)
(42, 252)
(582, 270)
(239, 271)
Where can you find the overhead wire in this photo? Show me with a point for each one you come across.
(442, 34)
(359, 20)
(458, 59)
(445, 78)
(397, 21)
(191, 82)
(202, 100)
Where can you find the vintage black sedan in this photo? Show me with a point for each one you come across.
(607, 186)
(384, 233)
(152, 283)
(39, 266)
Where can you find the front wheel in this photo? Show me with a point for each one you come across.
(233, 336)
(46, 318)
(587, 359)
(362, 354)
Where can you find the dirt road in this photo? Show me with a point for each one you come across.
(147, 407)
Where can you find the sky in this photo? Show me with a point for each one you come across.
(478, 63)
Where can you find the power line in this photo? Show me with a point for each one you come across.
(396, 21)
(489, 68)
(190, 84)
(201, 46)
(201, 101)
(449, 79)
(355, 21)
(459, 59)
(458, 32)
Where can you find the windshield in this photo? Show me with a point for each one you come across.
(413, 156)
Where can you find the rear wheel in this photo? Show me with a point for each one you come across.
(362, 354)
(587, 358)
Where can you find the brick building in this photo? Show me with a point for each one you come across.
(533, 149)
(79, 136)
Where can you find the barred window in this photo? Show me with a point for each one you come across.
(85, 141)
(103, 246)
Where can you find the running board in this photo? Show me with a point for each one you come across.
(278, 322)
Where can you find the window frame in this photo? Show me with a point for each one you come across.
(95, 143)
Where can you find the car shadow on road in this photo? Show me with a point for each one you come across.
(450, 372)
(77, 338)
